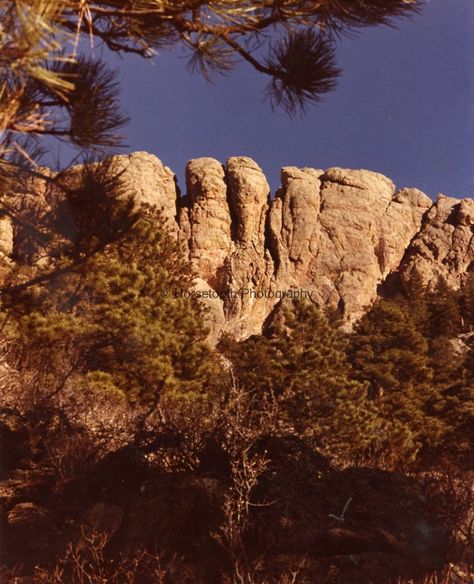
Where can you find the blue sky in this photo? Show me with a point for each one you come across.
(404, 106)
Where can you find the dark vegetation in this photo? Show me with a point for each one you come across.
(133, 452)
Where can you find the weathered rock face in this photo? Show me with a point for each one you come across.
(444, 246)
(149, 181)
(205, 221)
(338, 234)
(335, 236)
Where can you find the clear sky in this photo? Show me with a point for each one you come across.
(404, 106)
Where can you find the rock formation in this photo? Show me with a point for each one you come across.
(335, 236)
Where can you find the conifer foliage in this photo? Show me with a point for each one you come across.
(389, 353)
(302, 358)
(415, 351)
(104, 313)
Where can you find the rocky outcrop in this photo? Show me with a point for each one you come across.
(444, 246)
(336, 237)
(152, 183)
(205, 219)
(338, 234)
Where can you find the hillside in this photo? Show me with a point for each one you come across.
(323, 436)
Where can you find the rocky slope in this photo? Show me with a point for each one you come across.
(336, 236)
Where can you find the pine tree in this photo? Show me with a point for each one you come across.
(387, 351)
(303, 360)
(417, 297)
(114, 321)
(444, 323)
(446, 361)
(444, 312)
(457, 410)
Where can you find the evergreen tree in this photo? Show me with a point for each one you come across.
(114, 321)
(444, 323)
(444, 312)
(460, 404)
(302, 359)
(417, 298)
(457, 444)
(446, 361)
(457, 409)
(387, 351)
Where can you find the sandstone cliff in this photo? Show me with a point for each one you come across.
(336, 236)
